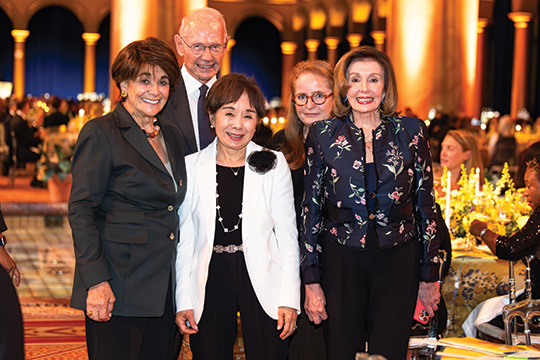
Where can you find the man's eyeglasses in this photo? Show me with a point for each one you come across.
(198, 48)
(317, 98)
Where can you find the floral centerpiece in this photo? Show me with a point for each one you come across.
(499, 204)
(56, 154)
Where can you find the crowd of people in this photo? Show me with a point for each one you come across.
(325, 240)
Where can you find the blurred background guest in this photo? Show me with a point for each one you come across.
(532, 151)
(502, 146)
(459, 147)
(238, 249)
(311, 100)
(128, 176)
(368, 214)
(58, 113)
(28, 139)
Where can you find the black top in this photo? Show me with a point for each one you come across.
(230, 187)
(523, 243)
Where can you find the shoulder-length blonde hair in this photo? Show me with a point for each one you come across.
(388, 106)
(467, 142)
(293, 149)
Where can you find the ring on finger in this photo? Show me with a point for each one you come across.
(89, 313)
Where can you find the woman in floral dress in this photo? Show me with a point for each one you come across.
(368, 237)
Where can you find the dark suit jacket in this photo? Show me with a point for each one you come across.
(177, 113)
(123, 213)
(24, 135)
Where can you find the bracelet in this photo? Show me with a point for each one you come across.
(482, 233)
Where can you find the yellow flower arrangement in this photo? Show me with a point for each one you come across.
(500, 205)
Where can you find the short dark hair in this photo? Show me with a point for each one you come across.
(151, 51)
(229, 88)
(341, 75)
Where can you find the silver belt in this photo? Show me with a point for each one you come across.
(231, 248)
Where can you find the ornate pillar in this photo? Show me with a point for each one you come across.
(354, 40)
(332, 43)
(312, 46)
(226, 62)
(288, 49)
(90, 40)
(477, 104)
(19, 61)
(379, 37)
(519, 67)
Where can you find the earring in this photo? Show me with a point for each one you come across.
(345, 100)
(123, 94)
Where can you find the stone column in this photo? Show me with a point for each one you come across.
(379, 37)
(354, 40)
(90, 40)
(435, 61)
(477, 105)
(226, 62)
(312, 46)
(519, 67)
(19, 61)
(332, 43)
(288, 49)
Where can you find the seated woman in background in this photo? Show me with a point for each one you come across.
(459, 147)
(311, 100)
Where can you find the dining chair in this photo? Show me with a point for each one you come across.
(528, 310)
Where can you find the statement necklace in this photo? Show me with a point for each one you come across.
(218, 208)
(155, 132)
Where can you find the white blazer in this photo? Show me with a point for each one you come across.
(269, 233)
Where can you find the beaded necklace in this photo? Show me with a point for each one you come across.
(218, 208)
(155, 132)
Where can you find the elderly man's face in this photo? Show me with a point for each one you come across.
(204, 66)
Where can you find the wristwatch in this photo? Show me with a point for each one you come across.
(3, 240)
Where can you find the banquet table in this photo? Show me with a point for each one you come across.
(474, 276)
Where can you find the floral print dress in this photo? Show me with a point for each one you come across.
(335, 190)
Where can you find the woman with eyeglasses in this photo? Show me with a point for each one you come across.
(311, 100)
(368, 232)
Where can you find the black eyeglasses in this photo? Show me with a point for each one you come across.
(317, 98)
(198, 48)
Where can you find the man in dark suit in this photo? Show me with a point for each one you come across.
(202, 42)
(11, 331)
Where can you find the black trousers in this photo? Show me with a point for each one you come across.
(133, 338)
(307, 342)
(11, 323)
(370, 295)
(229, 290)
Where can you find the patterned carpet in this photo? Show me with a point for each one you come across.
(52, 330)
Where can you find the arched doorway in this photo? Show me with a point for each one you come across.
(257, 53)
(55, 53)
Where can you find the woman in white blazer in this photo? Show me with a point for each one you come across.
(238, 249)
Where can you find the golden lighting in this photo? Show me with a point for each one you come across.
(470, 26)
(132, 12)
(361, 11)
(298, 21)
(317, 19)
(288, 48)
(266, 120)
(281, 120)
(415, 33)
(337, 16)
(274, 120)
(382, 8)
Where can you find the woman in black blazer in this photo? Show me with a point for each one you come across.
(128, 183)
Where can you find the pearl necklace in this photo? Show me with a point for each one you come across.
(218, 208)
(154, 132)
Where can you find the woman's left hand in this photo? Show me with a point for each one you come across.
(429, 294)
(286, 321)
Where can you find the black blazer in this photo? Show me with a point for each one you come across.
(123, 213)
(178, 113)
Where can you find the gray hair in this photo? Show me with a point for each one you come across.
(207, 16)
